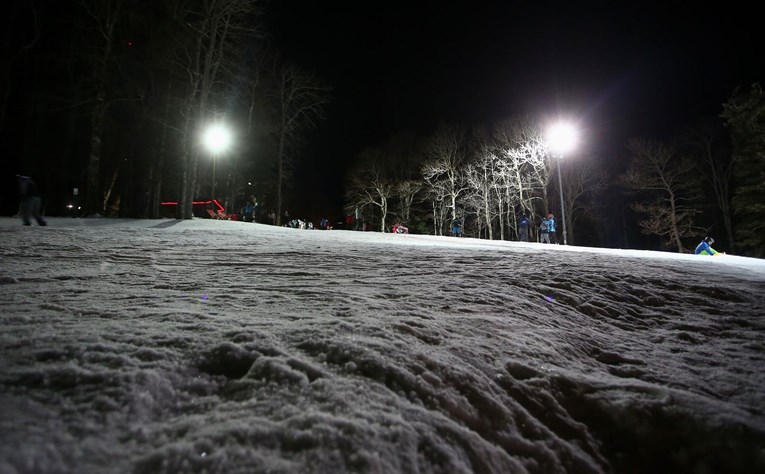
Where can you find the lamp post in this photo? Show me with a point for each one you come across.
(216, 139)
(562, 207)
(561, 139)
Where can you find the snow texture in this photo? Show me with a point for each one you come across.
(201, 346)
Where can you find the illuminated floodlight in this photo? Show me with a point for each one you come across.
(217, 138)
(561, 138)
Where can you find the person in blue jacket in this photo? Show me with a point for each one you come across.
(457, 228)
(705, 247)
(551, 228)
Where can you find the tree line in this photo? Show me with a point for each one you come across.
(708, 179)
(122, 90)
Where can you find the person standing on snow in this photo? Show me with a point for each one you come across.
(457, 228)
(553, 237)
(248, 211)
(523, 228)
(544, 234)
(705, 247)
(30, 201)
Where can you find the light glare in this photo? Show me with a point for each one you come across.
(561, 138)
(217, 138)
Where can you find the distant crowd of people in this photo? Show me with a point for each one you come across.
(547, 232)
(31, 202)
(300, 224)
(547, 229)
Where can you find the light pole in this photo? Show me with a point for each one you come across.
(216, 139)
(561, 138)
(562, 207)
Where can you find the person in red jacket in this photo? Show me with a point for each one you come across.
(399, 229)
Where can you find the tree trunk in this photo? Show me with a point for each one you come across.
(279, 177)
(93, 192)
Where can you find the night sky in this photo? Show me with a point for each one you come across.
(620, 71)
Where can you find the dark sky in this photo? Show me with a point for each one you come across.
(621, 70)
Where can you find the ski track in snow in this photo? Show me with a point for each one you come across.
(207, 346)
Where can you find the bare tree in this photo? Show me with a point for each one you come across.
(743, 115)
(370, 184)
(583, 183)
(252, 90)
(301, 98)
(403, 156)
(483, 178)
(209, 31)
(664, 183)
(106, 14)
(443, 171)
(406, 194)
(525, 169)
(716, 166)
(156, 177)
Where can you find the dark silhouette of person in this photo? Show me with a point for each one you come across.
(30, 201)
(248, 211)
(523, 228)
(457, 228)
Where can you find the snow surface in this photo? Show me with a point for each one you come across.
(142, 346)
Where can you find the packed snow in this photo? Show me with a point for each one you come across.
(168, 346)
